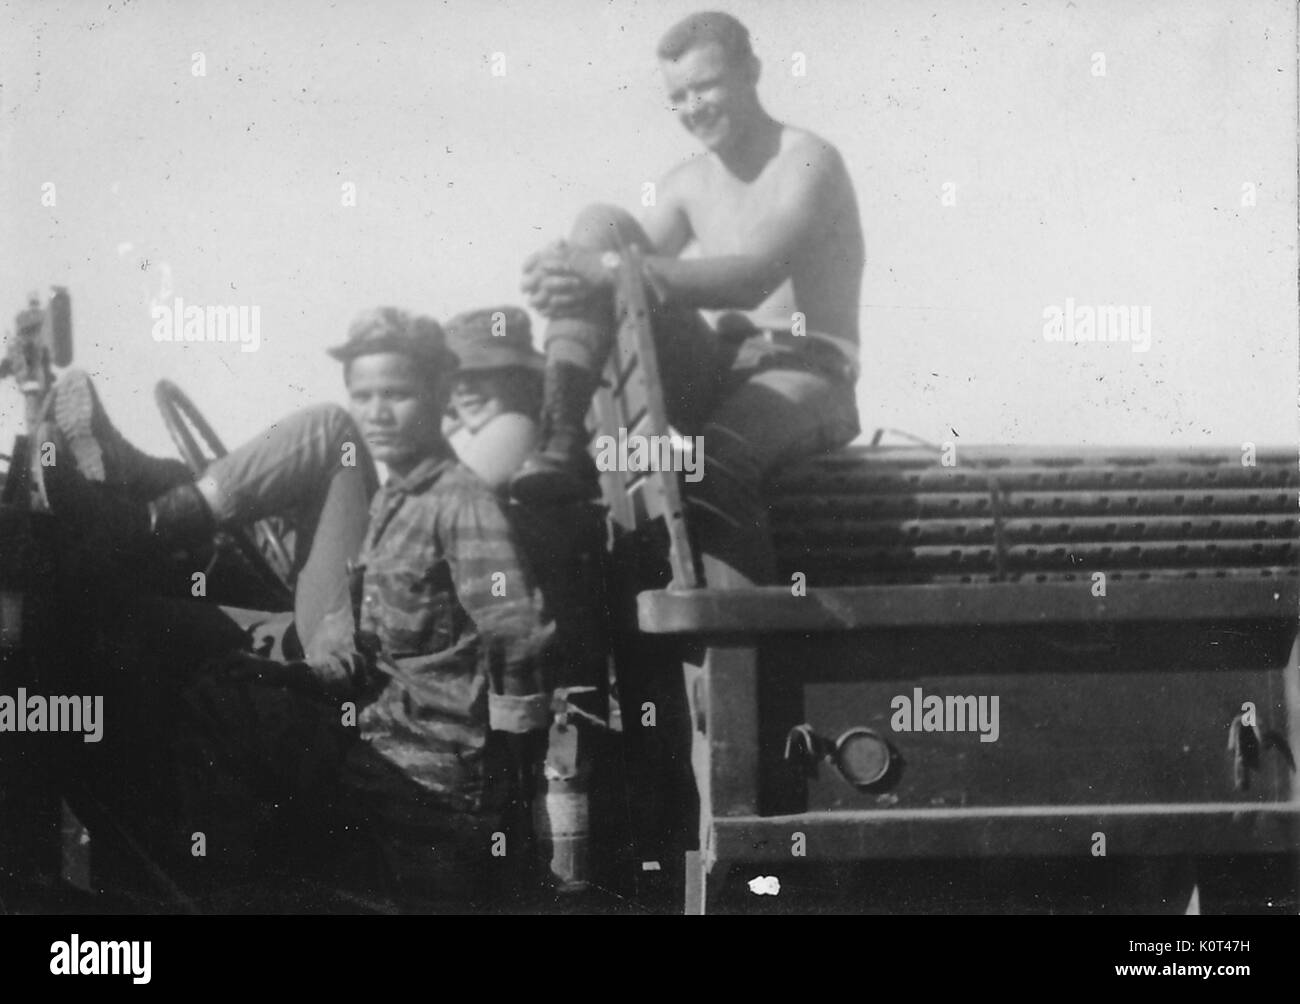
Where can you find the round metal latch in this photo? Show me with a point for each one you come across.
(862, 757)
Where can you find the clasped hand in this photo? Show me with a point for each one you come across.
(561, 279)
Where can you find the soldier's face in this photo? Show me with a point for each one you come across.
(478, 397)
(711, 97)
(398, 413)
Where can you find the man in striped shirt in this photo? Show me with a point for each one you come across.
(445, 594)
(453, 657)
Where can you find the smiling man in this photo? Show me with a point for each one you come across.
(769, 377)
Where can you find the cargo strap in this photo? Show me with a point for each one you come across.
(996, 496)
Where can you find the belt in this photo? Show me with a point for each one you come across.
(839, 354)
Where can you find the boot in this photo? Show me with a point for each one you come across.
(99, 451)
(561, 470)
(98, 518)
(111, 525)
(180, 519)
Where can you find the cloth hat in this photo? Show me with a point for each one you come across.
(493, 337)
(390, 329)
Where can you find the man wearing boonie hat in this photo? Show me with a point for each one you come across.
(493, 426)
(446, 666)
(496, 397)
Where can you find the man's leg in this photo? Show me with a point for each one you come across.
(256, 768)
(577, 348)
(774, 417)
(314, 466)
(438, 856)
(100, 452)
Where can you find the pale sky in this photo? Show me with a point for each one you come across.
(1125, 188)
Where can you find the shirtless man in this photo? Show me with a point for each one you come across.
(771, 212)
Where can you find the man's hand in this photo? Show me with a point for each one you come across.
(561, 279)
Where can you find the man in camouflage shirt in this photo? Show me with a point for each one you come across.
(444, 593)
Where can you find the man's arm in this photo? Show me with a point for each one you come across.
(667, 223)
(498, 595)
(800, 209)
(561, 277)
(774, 240)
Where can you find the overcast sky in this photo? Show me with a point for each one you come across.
(1125, 188)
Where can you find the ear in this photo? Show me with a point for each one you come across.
(754, 70)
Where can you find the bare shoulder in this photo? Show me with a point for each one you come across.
(686, 177)
(806, 153)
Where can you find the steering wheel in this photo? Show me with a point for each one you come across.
(260, 545)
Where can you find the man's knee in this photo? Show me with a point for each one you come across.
(332, 422)
(603, 227)
(727, 513)
(729, 471)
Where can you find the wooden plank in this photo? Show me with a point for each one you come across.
(613, 487)
(772, 609)
(636, 337)
(696, 877)
(731, 713)
(633, 401)
(1131, 830)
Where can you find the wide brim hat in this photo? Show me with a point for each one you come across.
(493, 338)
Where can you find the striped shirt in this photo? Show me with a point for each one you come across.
(449, 598)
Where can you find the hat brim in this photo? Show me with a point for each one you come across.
(500, 358)
(443, 360)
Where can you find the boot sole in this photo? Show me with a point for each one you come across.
(74, 410)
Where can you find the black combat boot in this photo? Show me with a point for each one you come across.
(561, 470)
(180, 519)
(99, 451)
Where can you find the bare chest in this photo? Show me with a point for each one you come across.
(725, 212)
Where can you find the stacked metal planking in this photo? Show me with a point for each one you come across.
(898, 515)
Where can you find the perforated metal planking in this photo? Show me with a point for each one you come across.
(879, 515)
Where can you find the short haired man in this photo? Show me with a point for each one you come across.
(772, 212)
(446, 593)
